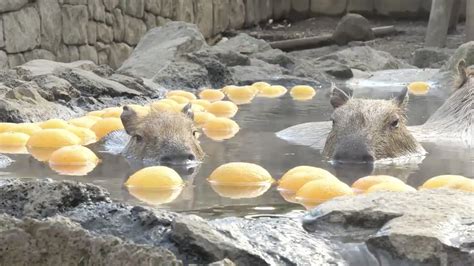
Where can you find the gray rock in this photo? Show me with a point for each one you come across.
(73, 53)
(162, 45)
(109, 19)
(137, 84)
(328, 7)
(16, 59)
(465, 51)
(352, 27)
(334, 68)
(87, 52)
(91, 32)
(118, 26)
(44, 67)
(161, 21)
(203, 17)
(74, 22)
(25, 104)
(300, 8)
(226, 57)
(11, 5)
(53, 88)
(251, 13)
(256, 70)
(134, 8)
(3, 60)
(105, 33)
(5, 161)
(103, 57)
(59, 241)
(134, 30)
(275, 57)
(361, 6)
(96, 10)
(218, 74)
(90, 84)
(119, 52)
(220, 15)
(281, 9)
(265, 10)
(243, 43)
(307, 69)
(75, 2)
(51, 25)
(182, 75)
(2, 41)
(430, 57)
(62, 54)
(111, 4)
(150, 21)
(21, 30)
(430, 227)
(237, 9)
(186, 11)
(39, 54)
(153, 6)
(168, 9)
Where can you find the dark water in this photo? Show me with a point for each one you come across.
(256, 143)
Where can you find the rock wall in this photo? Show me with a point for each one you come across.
(105, 31)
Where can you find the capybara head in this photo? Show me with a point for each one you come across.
(162, 137)
(366, 130)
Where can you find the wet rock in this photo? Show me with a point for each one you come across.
(256, 70)
(352, 27)
(335, 69)
(218, 74)
(466, 52)
(275, 57)
(5, 161)
(162, 45)
(244, 44)
(226, 57)
(364, 58)
(53, 88)
(25, 104)
(430, 227)
(21, 30)
(59, 241)
(430, 57)
(307, 69)
(43, 198)
(182, 75)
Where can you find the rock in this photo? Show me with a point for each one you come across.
(73, 53)
(91, 32)
(162, 45)
(134, 30)
(21, 30)
(119, 52)
(5, 161)
(265, 8)
(150, 21)
(118, 26)
(218, 74)
(87, 52)
(75, 2)
(168, 9)
(352, 27)
(426, 227)
(105, 33)
(53, 88)
(134, 8)
(237, 8)
(97, 10)
(224, 262)
(281, 9)
(226, 57)
(220, 15)
(51, 25)
(300, 8)
(388, 8)
(2, 41)
(465, 51)
(109, 19)
(153, 6)
(90, 84)
(335, 69)
(137, 84)
(74, 22)
(430, 57)
(59, 241)
(275, 57)
(43, 67)
(103, 57)
(251, 13)
(244, 44)
(39, 54)
(3, 60)
(257, 69)
(203, 17)
(182, 75)
(16, 59)
(62, 54)
(364, 58)
(112, 4)
(25, 104)
(306, 69)
(329, 7)
(361, 6)
(186, 11)
(11, 5)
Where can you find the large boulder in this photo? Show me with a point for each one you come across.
(182, 75)
(465, 52)
(244, 44)
(161, 46)
(352, 27)
(428, 227)
(430, 57)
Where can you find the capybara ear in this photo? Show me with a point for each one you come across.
(129, 120)
(338, 97)
(402, 98)
(462, 74)
(188, 111)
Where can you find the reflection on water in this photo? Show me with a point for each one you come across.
(256, 143)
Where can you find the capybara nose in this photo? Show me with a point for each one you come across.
(353, 153)
(179, 158)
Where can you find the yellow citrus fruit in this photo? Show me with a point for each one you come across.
(155, 177)
(84, 121)
(194, 107)
(73, 155)
(259, 86)
(321, 190)
(106, 125)
(295, 178)
(223, 109)
(112, 112)
(41, 154)
(185, 94)
(391, 187)
(164, 105)
(240, 95)
(13, 149)
(239, 173)
(211, 95)
(155, 196)
(26, 128)
(442, 181)
(140, 110)
(240, 191)
(6, 127)
(464, 185)
(302, 92)
(53, 138)
(364, 183)
(54, 123)
(204, 103)
(74, 170)
(220, 128)
(202, 118)
(13, 139)
(418, 88)
(98, 113)
(179, 99)
(273, 91)
(86, 135)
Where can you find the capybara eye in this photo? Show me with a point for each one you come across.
(138, 138)
(394, 123)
